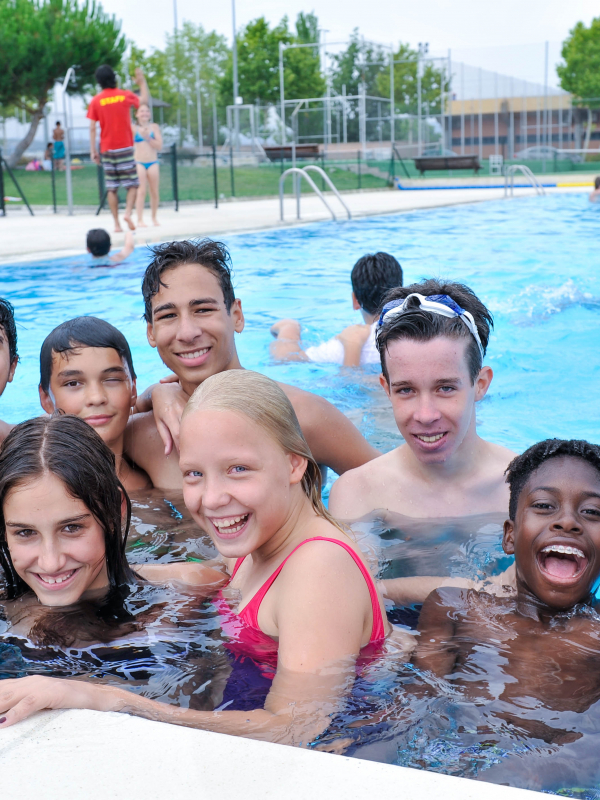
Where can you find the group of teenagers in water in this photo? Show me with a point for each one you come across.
(293, 590)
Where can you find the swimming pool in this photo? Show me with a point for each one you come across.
(532, 260)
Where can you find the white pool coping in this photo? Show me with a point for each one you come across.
(68, 755)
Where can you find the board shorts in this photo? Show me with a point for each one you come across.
(58, 150)
(119, 169)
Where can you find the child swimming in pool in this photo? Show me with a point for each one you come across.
(98, 244)
(8, 353)
(86, 369)
(372, 277)
(300, 600)
(64, 519)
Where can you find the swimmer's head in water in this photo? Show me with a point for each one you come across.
(106, 77)
(8, 343)
(69, 449)
(263, 402)
(213, 256)
(372, 277)
(416, 323)
(554, 525)
(597, 183)
(98, 242)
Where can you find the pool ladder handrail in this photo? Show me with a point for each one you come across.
(302, 172)
(510, 171)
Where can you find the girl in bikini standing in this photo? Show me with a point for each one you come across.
(148, 144)
(300, 601)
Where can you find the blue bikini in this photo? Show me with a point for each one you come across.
(137, 138)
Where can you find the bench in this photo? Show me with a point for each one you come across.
(277, 152)
(447, 162)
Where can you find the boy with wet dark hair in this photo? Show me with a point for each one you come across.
(535, 653)
(432, 339)
(9, 357)
(193, 316)
(98, 245)
(86, 369)
(372, 277)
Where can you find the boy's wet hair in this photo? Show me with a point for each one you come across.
(81, 332)
(372, 277)
(522, 467)
(70, 449)
(7, 323)
(422, 326)
(214, 256)
(106, 77)
(98, 242)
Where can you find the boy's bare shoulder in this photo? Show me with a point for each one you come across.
(145, 448)
(363, 489)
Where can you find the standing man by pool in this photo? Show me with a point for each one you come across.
(58, 153)
(111, 109)
(193, 316)
(432, 338)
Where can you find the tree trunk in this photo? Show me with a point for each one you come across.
(588, 130)
(13, 159)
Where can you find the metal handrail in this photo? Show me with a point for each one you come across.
(311, 183)
(510, 172)
(330, 183)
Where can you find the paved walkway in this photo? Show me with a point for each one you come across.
(50, 235)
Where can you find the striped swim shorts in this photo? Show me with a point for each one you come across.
(119, 169)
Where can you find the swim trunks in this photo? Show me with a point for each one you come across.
(332, 351)
(59, 150)
(119, 169)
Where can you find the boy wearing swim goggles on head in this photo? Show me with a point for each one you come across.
(432, 338)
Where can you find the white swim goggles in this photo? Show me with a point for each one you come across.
(440, 304)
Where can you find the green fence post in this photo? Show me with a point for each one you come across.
(231, 170)
(174, 175)
(2, 201)
(52, 171)
(358, 170)
(215, 181)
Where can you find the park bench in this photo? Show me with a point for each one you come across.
(278, 152)
(447, 162)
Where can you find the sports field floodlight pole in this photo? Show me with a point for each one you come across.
(236, 113)
(281, 92)
(68, 176)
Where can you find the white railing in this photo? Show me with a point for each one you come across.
(303, 173)
(509, 177)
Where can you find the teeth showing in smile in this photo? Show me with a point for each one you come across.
(561, 548)
(61, 579)
(230, 524)
(195, 354)
(435, 438)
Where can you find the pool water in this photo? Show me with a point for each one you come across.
(533, 261)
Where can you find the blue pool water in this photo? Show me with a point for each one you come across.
(534, 261)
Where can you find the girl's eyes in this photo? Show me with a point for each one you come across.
(25, 533)
(193, 473)
(73, 528)
(238, 469)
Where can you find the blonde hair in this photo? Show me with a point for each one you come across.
(263, 402)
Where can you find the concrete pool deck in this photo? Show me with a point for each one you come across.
(48, 235)
(76, 754)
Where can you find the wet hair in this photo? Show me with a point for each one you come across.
(522, 467)
(7, 323)
(214, 256)
(106, 77)
(69, 448)
(262, 401)
(422, 326)
(597, 182)
(98, 242)
(81, 332)
(372, 277)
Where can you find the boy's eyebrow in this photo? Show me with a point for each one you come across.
(72, 373)
(555, 489)
(198, 302)
(439, 382)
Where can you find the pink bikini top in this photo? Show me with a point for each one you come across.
(246, 639)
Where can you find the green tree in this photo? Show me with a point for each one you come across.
(434, 82)
(40, 40)
(258, 62)
(580, 71)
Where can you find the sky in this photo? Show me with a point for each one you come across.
(507, 37)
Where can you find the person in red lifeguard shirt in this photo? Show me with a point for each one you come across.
(111, 109)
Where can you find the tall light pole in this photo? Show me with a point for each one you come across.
(236, 113)
(177, 68)
(68, 176)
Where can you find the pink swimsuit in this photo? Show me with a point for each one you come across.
(245, 636)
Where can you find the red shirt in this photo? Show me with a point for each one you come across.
(111, 109)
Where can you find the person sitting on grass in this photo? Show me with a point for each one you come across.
(98, 244)
(372, 277)
(9, 357)
(192, 318)
(86, 369)
(432, 339)
(300, 602)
